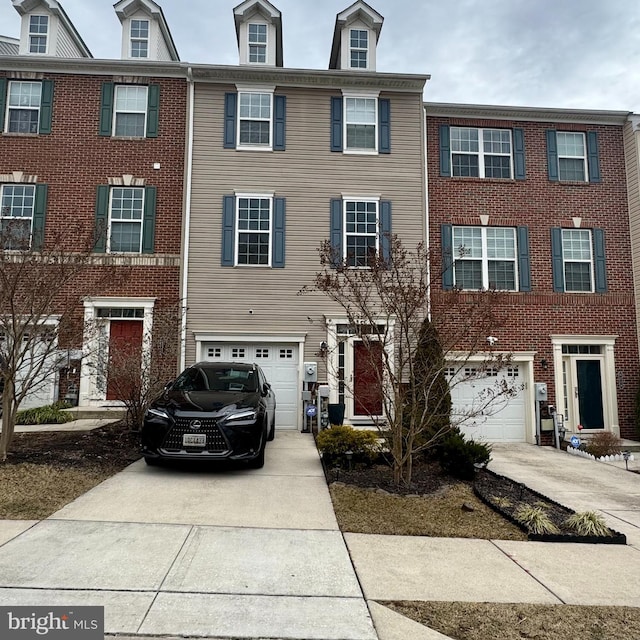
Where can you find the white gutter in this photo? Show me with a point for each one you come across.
(426, 209)
(186, 225)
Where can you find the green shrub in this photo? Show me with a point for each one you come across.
(49, 414)
(604, 443)
(333, 443)
(457, 455)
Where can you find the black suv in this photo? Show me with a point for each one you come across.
(212, 411)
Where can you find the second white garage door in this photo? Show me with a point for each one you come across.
(280, 365)
(505, 420)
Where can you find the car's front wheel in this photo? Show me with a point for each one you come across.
(272, 431)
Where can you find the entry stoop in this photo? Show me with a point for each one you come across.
(97, 413)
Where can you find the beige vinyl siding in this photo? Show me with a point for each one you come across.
(632, 161)
(308, 175)
(65, 46)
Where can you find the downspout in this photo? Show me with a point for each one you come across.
(426, 209)
(186, 230)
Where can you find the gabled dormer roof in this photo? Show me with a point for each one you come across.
(161, 44)
(9, 46)
(250, 9)
(63, 39)
(358, 13)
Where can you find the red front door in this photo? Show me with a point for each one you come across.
(367, 378)
(125, 356)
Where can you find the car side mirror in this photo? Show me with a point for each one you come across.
(265, 388)
(168, 384)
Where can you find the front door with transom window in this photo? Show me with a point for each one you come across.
(125, 347)
(584, 402)
(367, 377)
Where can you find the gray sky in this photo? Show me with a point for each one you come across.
(548, 53)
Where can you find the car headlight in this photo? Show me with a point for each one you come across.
(158, 413)
(242, 417)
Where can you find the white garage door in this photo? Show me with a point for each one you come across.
(280, 365)
(504, 419)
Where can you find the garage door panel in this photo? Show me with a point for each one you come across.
(502, 420)
(280, 365)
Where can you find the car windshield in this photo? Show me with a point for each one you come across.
(217, 379)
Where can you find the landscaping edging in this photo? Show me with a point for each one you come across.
(615, 538)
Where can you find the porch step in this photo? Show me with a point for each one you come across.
(630, 445)
(97, 413)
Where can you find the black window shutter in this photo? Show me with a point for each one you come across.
(384, 125)
(153, 110)
(385, 230)
(336, 232)
(593, 156)
(39, 214)
(556, 257)
(524, 265)
(445, 151)
(46, 107)
(336, 124)
(102, 219)
(600, 261)
(446, 235)
(279, 223)
(149, 220)
(552, 155)
(3, 101)
(279, 123)
(106, 109)
(230, 114)
(518, 154)
(228, 230)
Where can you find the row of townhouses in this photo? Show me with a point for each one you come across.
(215, 185)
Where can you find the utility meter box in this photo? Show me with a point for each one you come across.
(311, 372)
(541, 391)
(323, 390)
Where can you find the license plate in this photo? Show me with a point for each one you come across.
(194, 440)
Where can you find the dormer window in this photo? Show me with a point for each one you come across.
(38, 32)
(359, 48)
(139, 38)
(257, 40)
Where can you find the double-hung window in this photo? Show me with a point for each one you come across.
(257, 42)
(38, 32)
(130, 111)
(23, 102)
(481, 153)
(485, 258)
(255, 119)
(125, 219)
(573, 156)
(126, 210)
(139, 32)
(361, 231)
(17, 206)
(359, 48)
(579, 260)
(253, 230)
(361, 124)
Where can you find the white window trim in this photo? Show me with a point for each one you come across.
(583, 158)
(30, 218)
(251, 43)
(372, 95)
(263, 89)
(481, 153)
(6, 115)
(366, 50)
(485, 257)
(136, 39)
(110, 221)
(238, 231)
(608, 372)
(40, 35)
(590, 262)
(345, 235)
(117, 111)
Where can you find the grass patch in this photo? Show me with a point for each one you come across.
(481, 621)
(35, 491)
(437, 515)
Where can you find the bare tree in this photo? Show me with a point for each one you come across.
(136, 372)
(40, 311)
(387, 307)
